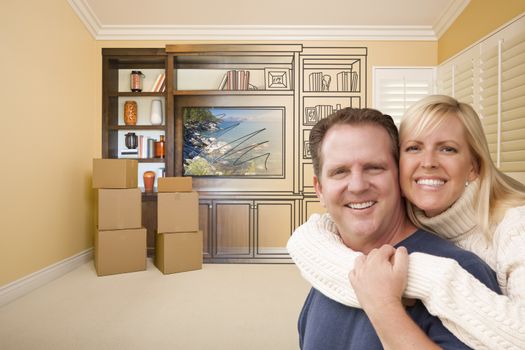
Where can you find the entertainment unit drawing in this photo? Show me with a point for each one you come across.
(236, 119)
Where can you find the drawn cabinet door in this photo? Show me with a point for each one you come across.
(274, 223)
(205, 220)
(233, 229)
(311, 205)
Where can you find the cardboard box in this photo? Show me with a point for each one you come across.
(115, 173)
(119, 208)
(177, 212)
(174, 184)
(178, 252)
(119, 251)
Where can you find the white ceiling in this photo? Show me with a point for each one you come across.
(268, 19)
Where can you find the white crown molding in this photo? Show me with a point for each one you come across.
(448, 17)
(244, 32)
(264, 32)
(86, 15)
(24, 285)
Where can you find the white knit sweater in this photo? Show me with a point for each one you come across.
(476, 315)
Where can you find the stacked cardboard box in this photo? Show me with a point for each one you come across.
(120, 239)
(178, 240)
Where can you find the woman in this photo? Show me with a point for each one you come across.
(455, 191)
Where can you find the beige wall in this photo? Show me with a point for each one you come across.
(480, 18)
(51, 130)
(49, 114)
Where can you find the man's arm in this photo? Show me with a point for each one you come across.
(384, 306)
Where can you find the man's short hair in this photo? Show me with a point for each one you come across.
(351, 116)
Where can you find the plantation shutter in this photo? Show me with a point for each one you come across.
(396, 89)
(491, 77)
(489, 87)
(458, 78)
(464, 77)
(445, 78)
(512, 149)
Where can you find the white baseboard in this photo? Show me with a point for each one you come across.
(24, 285)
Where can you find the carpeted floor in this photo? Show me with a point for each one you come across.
(221, 307)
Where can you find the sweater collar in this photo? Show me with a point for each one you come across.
(456, 221)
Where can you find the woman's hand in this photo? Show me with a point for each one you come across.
(379, 278)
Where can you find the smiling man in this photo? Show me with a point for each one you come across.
(355, 155)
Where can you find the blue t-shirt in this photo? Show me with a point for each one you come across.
(327, 324)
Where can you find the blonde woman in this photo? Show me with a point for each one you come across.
(454, 190)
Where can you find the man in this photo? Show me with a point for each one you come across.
(355, 155)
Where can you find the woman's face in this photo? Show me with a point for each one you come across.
(434, 167)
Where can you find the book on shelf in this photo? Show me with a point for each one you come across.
(139, 145)
(347, 81)
(342, 81)
(323, 111)
(315, 81)
(143, 146)
(146, 147)
(235, 80)
(160, 83)
(222, 85)
(128, 153)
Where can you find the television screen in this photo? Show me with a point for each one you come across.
(234, 141)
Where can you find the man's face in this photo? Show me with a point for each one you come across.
(359, 184)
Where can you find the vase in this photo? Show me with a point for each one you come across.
(156, 112)
(131, 140)
(159, 147)
(130, 113)
(149, 180)
(136, 80)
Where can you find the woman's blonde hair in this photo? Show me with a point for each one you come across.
(497, 191)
